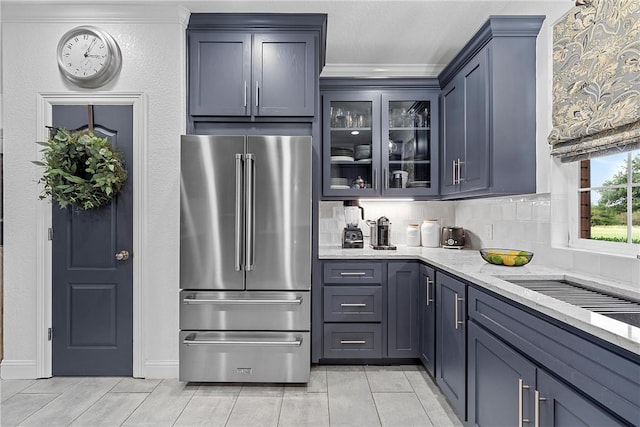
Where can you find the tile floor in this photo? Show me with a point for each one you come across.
(335, 396)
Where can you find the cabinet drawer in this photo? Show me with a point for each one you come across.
(352, 303)
(352, 340)
(350, 272)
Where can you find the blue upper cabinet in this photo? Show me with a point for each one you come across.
(251, 65)
(489, 111)
(380, 139)
(219, 73)
(284, 78)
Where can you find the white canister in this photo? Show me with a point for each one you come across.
(413, 235)
(430, 233)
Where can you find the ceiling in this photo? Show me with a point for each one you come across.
(366, 38)
(401, 38)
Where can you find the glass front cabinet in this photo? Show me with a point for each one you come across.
(380, 143)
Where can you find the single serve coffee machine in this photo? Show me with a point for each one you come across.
(380, 234)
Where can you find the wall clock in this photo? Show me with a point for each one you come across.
(88, 56)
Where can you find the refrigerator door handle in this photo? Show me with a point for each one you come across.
(250, 212)
(238, 247)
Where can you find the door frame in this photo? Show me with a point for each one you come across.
(44, 282)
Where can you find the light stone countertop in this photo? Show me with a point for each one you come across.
(467, 264)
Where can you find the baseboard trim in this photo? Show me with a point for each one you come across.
(18, 370)
(163, 369)
(26, 369)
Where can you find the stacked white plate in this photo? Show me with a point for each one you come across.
(418, 184)
(340, 183)
(342, 159)
(362, 152)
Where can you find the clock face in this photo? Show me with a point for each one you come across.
(88, 56)
(85, 55)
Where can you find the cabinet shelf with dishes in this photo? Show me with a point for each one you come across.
(379, 142)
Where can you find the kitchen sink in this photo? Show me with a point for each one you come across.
(617, 307)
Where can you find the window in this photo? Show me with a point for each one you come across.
(609, 198)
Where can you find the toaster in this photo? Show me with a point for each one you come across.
(452, 237)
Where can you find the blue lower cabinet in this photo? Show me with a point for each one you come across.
(403, 320)
(427, 297)
(371, 310)
(562, 406)
(580, 379)
(500, 383)
(451, 315)
(505, 389)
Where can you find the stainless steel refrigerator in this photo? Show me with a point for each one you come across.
(245, 258)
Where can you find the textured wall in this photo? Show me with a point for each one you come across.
(152, 43)
(1, 316)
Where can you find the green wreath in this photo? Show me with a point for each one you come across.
(81, 169)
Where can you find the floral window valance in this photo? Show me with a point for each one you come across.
(596, 80)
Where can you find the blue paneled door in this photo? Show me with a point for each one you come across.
(92, 291)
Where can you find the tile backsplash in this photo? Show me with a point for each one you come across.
(521, 222)
(400, 213)
(518, 222)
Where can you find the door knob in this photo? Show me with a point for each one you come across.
(122, 255)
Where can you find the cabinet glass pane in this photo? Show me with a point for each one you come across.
(409, 144)
(351, 163)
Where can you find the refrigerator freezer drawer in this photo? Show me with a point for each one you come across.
(242, 311)
(245, 356)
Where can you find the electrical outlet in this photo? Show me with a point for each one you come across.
(488, 231)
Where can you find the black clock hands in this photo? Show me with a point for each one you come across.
(86, 54)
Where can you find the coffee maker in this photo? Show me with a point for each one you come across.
(380, 234)
(352, 235)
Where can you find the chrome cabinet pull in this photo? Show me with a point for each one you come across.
(238, 220)
(196, 301)
(460, 163)
(521, 387)
(245, 94)
(453, 172)
(352, 304)
(250, 214)
(536, 407)
(456, 313)
(429, 282)
(123, 255)
(385, 178)
(375, 178)
(353, 342)
(257, 95)
(352, 273)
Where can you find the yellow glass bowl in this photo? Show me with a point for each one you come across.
(508, 257)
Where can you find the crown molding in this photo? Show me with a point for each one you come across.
(15, 11)
(496, 26)
(382, 70)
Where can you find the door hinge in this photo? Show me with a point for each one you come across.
(49, 334)
(50, 233)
